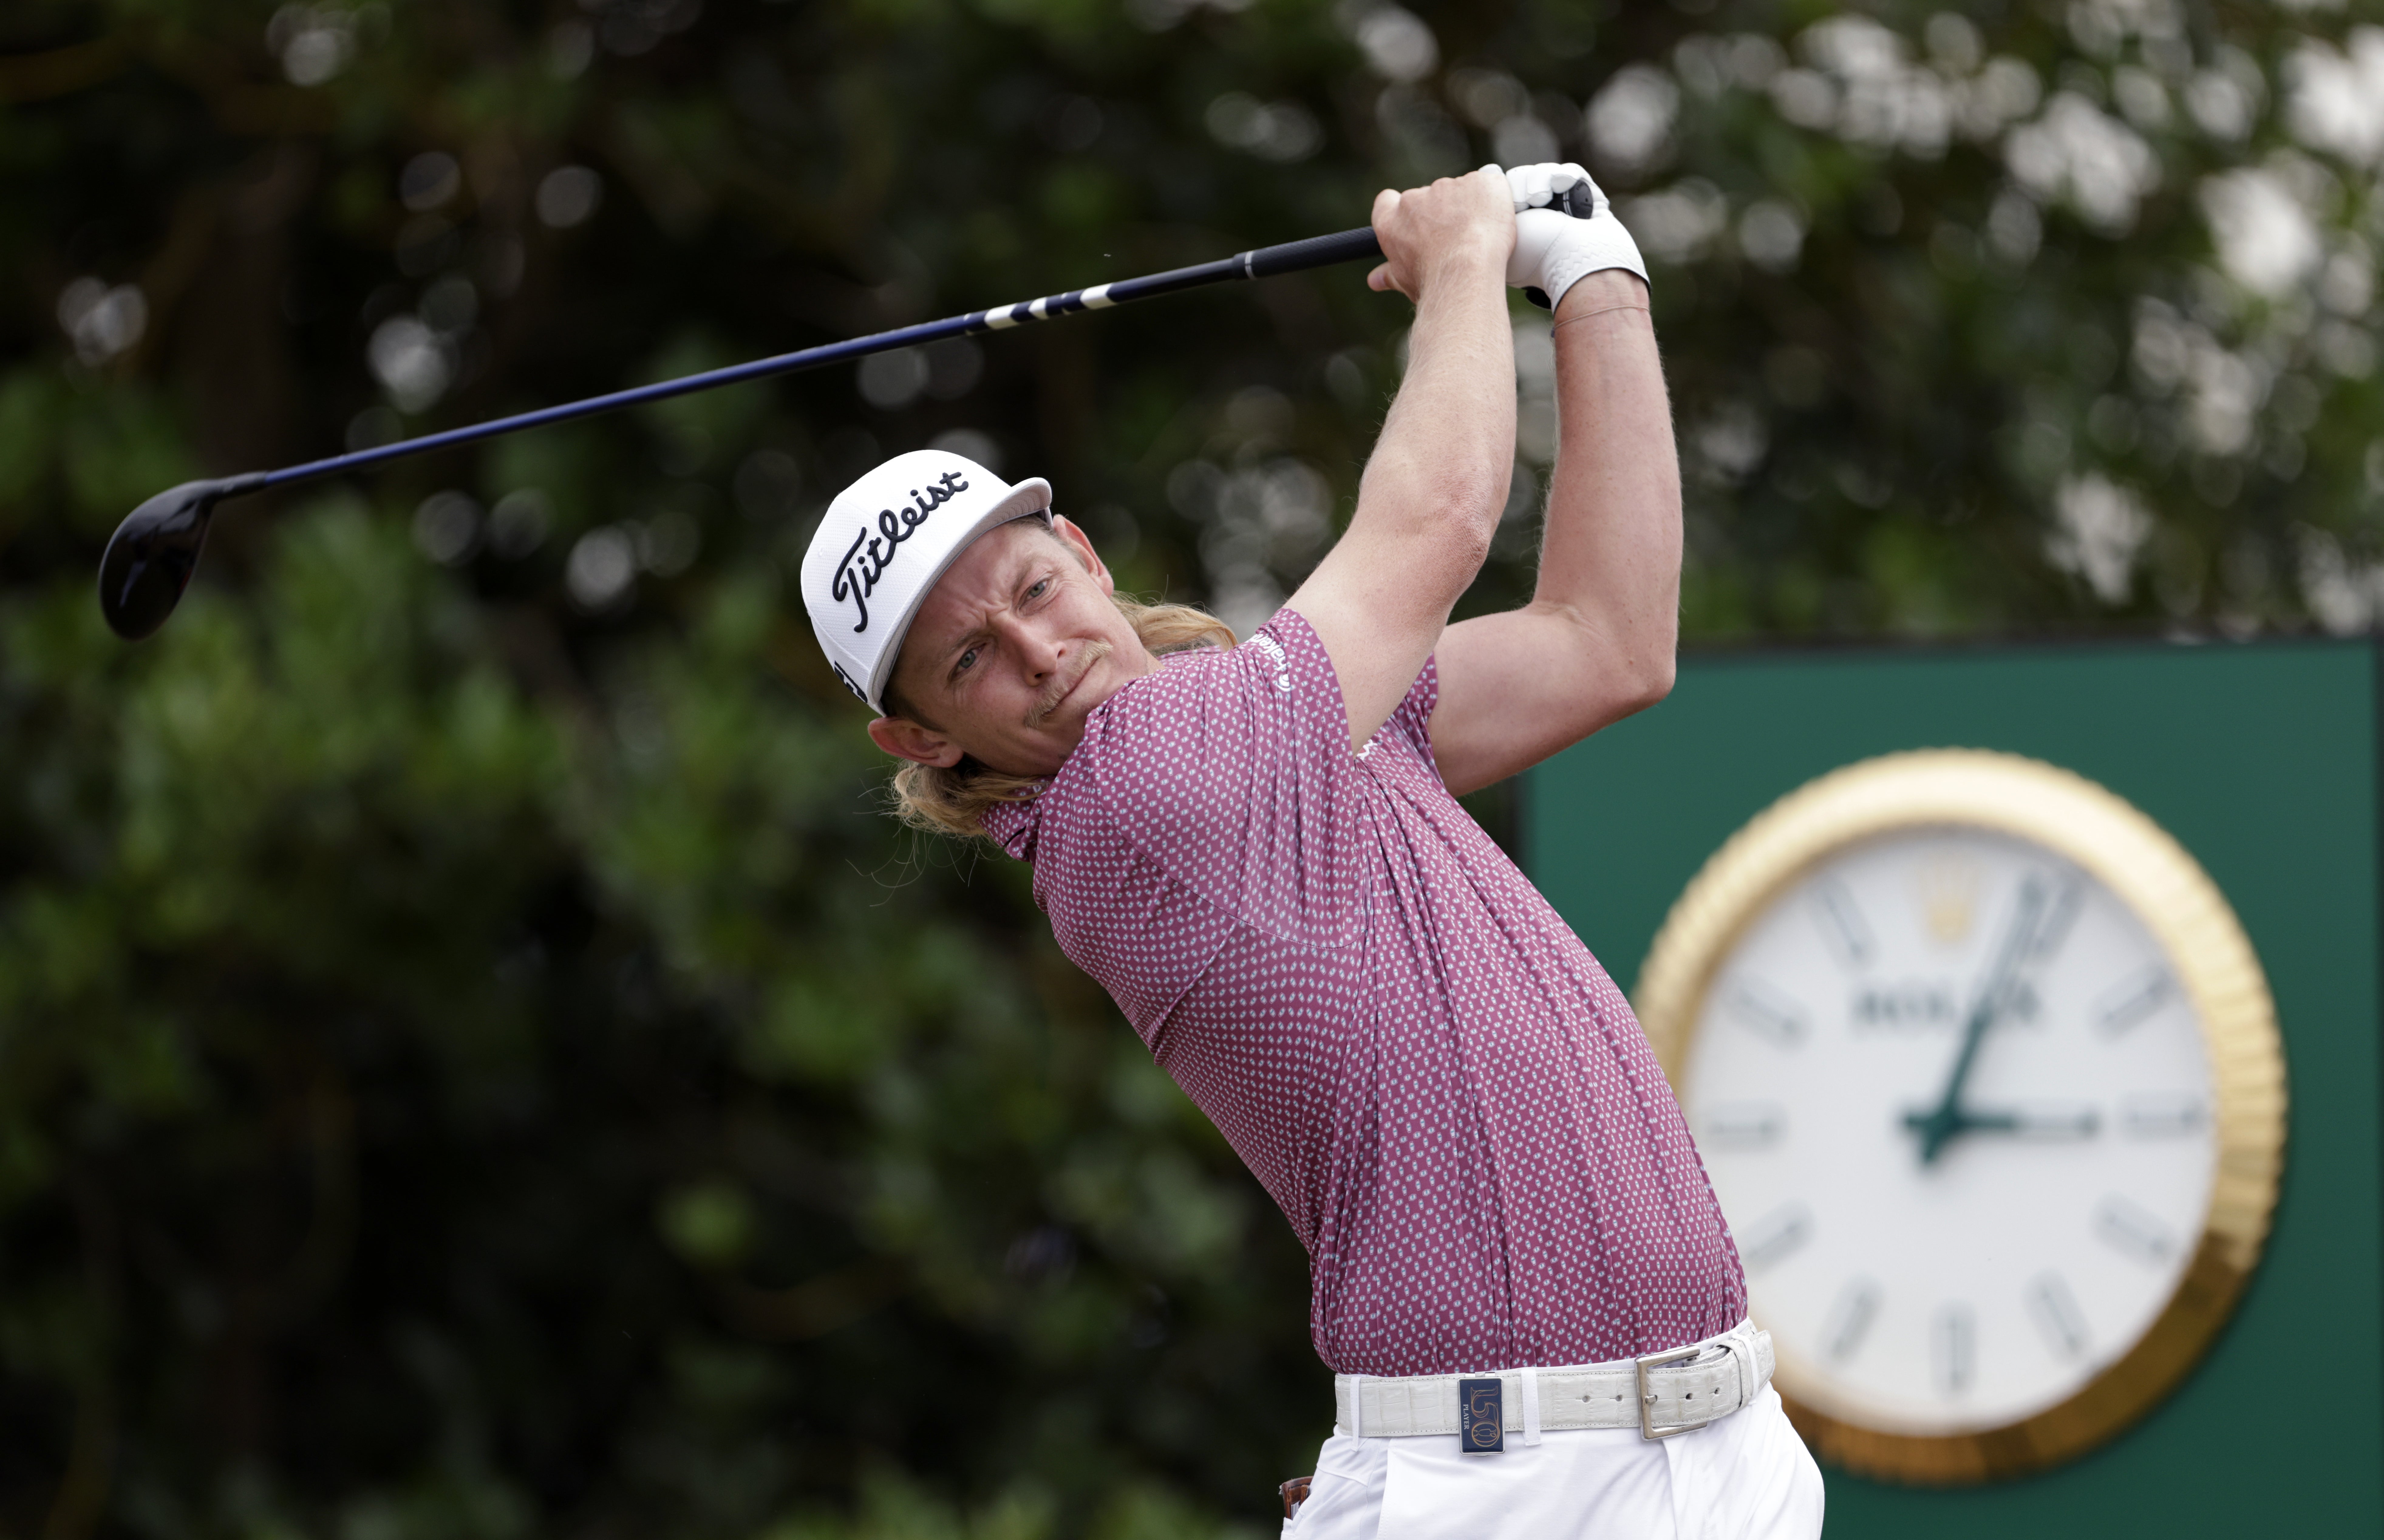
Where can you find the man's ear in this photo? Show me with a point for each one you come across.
(904, 738)
(1078, 541)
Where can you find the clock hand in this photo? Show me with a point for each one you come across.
(1941, 1123)
(2041, 1122)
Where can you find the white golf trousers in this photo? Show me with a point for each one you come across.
(1747, 1477)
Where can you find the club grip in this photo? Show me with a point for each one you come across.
(1317, 251)
(1349, 245)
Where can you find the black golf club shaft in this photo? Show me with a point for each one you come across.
(150, 559)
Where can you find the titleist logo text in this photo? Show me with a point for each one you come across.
(857, 580)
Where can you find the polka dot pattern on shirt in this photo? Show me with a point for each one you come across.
(1448, 1096)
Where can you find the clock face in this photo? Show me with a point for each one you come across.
(1959, 1113)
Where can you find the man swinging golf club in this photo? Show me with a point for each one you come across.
(1520, 1273)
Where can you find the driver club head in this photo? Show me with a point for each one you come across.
(154, 551)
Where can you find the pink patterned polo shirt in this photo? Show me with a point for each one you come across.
(1450, 1100)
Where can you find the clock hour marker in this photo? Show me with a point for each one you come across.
(1953, 1343)
(2132, 998)
(2162, 1117)
(1850, 1318)
(1842, 922)
(2055, 1310)
(2131, 1230)
(1745, 1125)
(2054, 928)
(1757, 1005)
(1776, 1236)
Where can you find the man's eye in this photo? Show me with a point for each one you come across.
(966, 659)
(1036, 591)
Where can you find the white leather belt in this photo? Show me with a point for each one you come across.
(1661, 1394)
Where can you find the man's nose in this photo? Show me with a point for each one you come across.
(1037, 654)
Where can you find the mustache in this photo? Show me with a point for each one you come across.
(1057, 690)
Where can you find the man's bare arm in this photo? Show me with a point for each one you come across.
(1433, 491)
(1596, 641)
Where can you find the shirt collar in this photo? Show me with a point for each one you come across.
(1015, 824)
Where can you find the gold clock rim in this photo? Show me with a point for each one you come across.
(2206, 946)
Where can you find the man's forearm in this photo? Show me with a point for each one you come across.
(1611, 552)
(1431, 496)
(1441, 466)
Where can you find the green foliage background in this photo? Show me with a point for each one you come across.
(474, 1061)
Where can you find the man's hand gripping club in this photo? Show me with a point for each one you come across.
(1553, 250)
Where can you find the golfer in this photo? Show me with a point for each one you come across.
(1520, 1277)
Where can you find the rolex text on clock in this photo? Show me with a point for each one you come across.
(1988, 1082)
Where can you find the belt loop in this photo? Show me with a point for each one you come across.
(1530, 1388)
(1357, 1406)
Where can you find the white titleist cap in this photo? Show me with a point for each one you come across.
(883, 543)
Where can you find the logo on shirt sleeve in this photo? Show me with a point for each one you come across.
(1282, 661)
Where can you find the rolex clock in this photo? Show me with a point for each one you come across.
(1988, 1082)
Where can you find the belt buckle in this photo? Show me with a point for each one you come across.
(1647, 1361)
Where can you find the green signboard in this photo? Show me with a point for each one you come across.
(2262, 760)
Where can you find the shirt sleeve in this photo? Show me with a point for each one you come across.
(1232, 772)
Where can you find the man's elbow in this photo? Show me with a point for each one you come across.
(1650, 682)
(1618, 682)
(1645, 642)
(1457, 500)
(1616, 671)
(1646, 652)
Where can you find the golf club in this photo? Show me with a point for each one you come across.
(152, 553)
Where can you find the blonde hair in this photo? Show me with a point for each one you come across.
(952, 799)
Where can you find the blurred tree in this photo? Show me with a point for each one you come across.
(471, 1061)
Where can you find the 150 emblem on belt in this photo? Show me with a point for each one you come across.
(1480, 1416)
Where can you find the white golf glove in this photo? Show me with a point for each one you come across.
(1555, 250)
